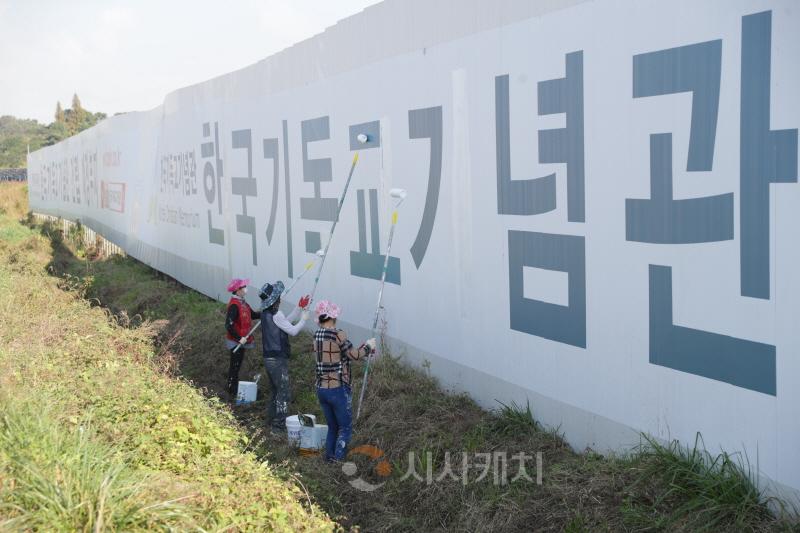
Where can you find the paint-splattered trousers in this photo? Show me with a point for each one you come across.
(337, 407)
(233, 371)
(278, 408)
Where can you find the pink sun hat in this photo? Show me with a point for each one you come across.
(328, 309)
(237, 283)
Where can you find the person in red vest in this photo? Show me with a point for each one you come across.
(238, 322)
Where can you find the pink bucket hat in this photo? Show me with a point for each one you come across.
(327, 308)
(237, 283)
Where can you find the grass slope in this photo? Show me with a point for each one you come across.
(94, 436)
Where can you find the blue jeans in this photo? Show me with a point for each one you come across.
(338, 411)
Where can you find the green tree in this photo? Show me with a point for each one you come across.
(59, 113)
(12, 151)
(55, 132)
(17, 134)
(76, 116)
(76, 103)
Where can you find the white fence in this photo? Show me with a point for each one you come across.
(82, 235)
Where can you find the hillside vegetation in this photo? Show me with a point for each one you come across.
(17, 135)
(94, 436)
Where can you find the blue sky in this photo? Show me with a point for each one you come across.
(127, 55)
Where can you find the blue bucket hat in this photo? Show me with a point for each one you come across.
(270, 293)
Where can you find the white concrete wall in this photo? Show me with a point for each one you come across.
(511, 288)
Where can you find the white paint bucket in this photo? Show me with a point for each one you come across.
(313, 439)
(294, 428)
(247, 392)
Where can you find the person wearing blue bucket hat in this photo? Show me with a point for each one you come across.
(276, 328)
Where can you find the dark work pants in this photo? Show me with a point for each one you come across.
(278, 408)
(233, 371)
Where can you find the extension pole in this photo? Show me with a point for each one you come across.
(401, 194)
(308, 267)
(333, 227)
(252, 330)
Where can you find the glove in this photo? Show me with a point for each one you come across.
(303, 303)
(243, 341)
(371, 343)
(304, 316)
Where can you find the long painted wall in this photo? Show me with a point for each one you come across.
(602, 216)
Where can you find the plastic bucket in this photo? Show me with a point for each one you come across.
(313, 439)
(247, 392)
(294, 429)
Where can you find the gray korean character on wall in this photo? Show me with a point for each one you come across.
(661, 219)
(563, 253)
(316, 171)
(245, 186)
(766, 156)
(212, 179)
(363, 263)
